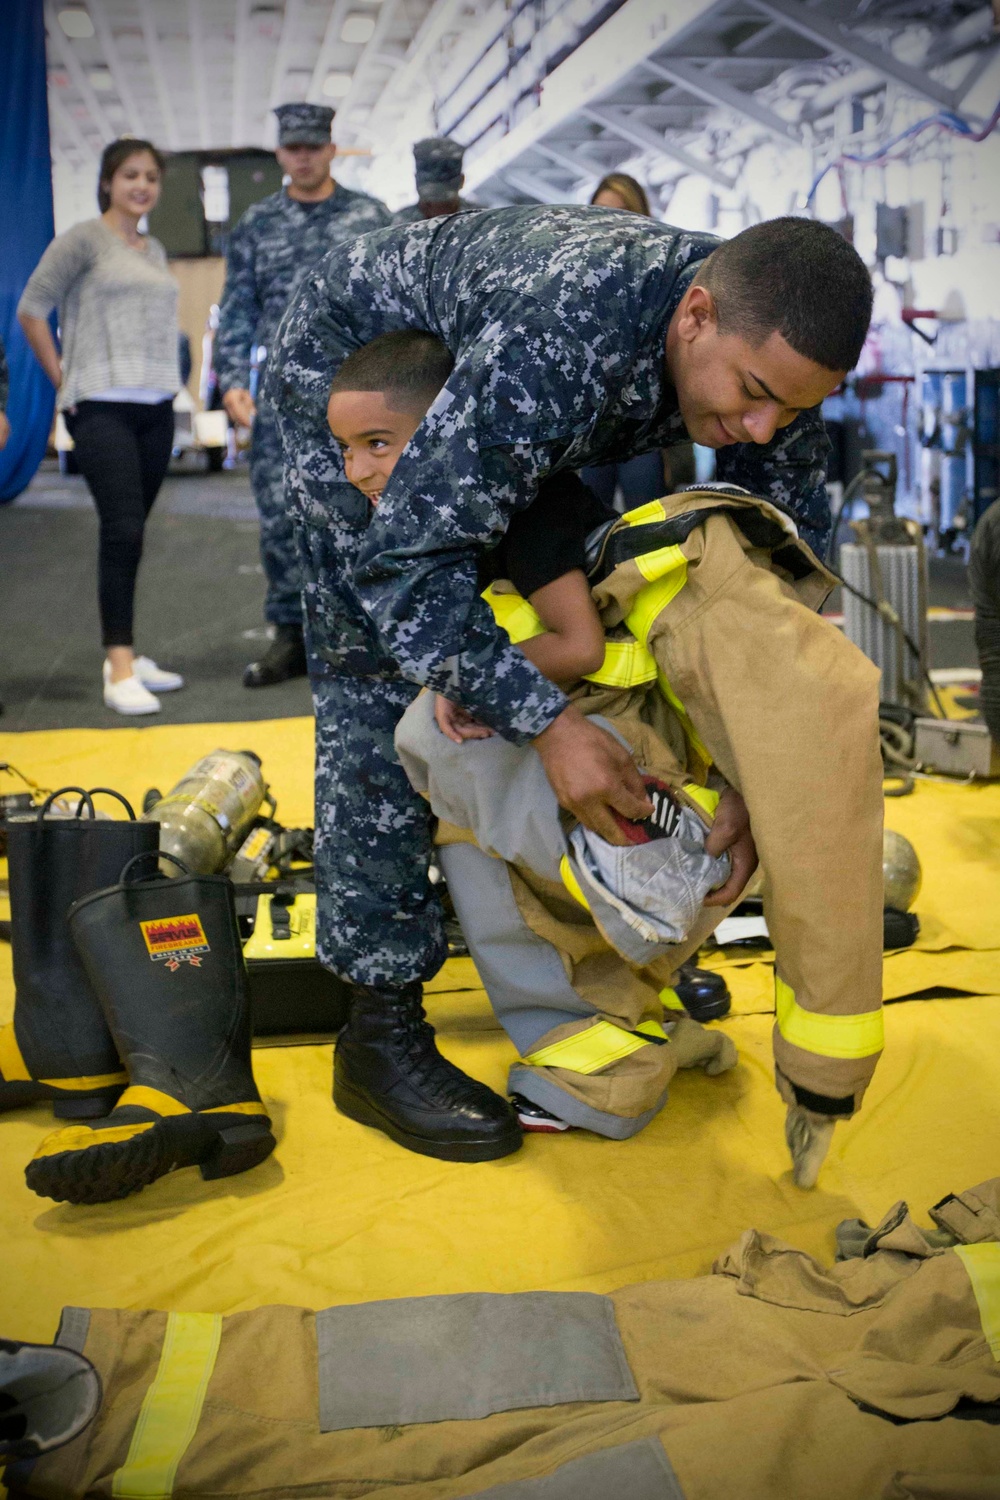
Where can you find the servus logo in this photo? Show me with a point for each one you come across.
(175, 941)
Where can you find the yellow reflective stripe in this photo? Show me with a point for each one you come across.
(706, 798)
(626, 664)
(670, 1000)
(828, 1036)
(251, 1107)
(653, 565)
(588, 1051)
(14, 1069)
(571, 883)
(84, 1137)
(160, 1103)
(653, 1028)
(656, 595)
(983, 1265)
(515, 615)
(651, 511)
(171, 1408)
(693, 737)
(12, 1065)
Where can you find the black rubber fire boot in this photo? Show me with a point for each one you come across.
(284, 658)
(58, 1048)
(389, 1074)
(703, 993)
(165, 960)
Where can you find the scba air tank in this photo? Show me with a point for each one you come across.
(207, 815)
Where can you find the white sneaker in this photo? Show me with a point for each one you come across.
(157, 679)
(128, 696)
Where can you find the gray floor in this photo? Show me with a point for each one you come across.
(199, 608)
(199, 605)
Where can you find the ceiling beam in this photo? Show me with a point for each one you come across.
(811, 23)
(439, 21)
(290, 22)
(581, 167)
(196, 42)
(119, 72)
(640, 135)
(157, 66)
(369, 54)
(324, 57)
(527, 182)
(77, 141)
(704, 85)
(60, 46)
(241, 45)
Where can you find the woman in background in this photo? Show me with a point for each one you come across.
(116, 379)
(640, 479)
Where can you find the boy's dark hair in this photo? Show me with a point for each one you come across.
(796, 277)
(408, 364)
(114, 156)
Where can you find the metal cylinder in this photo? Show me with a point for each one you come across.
(903, 572)
(207, 815)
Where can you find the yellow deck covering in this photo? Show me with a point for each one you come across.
(339, 1214)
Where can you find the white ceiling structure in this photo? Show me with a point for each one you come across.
(548, 95)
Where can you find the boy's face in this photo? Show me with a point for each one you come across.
(372, 435)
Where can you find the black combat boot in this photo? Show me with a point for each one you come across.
(703, 993)
(284, 658)
(389, 1074)
(165, 961)
(58, 1048)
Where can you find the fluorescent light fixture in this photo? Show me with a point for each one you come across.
(358, 29)
(76, 22)
(337, 85)
(101, 80)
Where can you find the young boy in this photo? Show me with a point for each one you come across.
(374, 414)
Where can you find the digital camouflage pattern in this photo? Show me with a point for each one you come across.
(411, 213)
(378, 920)
(304, 124)
(274, 243)
(557, 319)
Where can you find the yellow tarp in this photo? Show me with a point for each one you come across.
(339, 1214)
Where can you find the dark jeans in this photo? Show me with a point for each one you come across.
(122, 450)
(641, 479)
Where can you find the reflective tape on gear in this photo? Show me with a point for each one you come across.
(653, 1028)
(691, 734)
(983, 1265)
(644, 514)
(706, 798)
(13, 1068)
(84, 1085)
(827, 1036)
(154, 1099)
(589, 1051)
(86, 1137)
(171, 1408)
(514, 615)
(670, 1000)
(251, 1107)
(667, 581)
(571, 883)
(626, 664)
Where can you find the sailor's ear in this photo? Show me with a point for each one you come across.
(697, 313)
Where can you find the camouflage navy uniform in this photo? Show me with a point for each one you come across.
(557, 318)
(273, 243)
(437, 163)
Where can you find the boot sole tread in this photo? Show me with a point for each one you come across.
(115, 1169)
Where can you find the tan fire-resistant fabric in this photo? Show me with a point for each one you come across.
(752, 1377)
(788, 709)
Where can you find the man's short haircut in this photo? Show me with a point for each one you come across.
(408, 366)
(798, 278)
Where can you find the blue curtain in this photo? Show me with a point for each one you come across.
(26, 206)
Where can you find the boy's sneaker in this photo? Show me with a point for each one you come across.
(536, 1120)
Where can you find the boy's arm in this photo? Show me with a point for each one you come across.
(573, 643)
